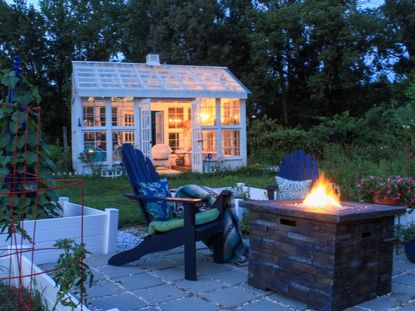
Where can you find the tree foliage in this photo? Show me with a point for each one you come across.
(300, 59)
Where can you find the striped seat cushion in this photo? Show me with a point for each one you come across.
(291, 190)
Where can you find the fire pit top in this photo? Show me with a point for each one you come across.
(348, 211)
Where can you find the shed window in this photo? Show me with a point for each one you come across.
(176, 141)
(122, 111)
(93, 112)
(176, 117)
(118, 139)
(208, 112)
(209, 143)
(230, 111)
(231, 143)
(95, 145)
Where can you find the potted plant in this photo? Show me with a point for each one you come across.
(406, 236)
(388, 190)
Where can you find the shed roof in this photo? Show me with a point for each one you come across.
(164, 81)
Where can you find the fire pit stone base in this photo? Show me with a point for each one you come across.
(329, 265)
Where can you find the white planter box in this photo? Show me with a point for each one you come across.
(99, 231)
(43, 283)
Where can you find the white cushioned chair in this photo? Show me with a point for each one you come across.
(160, 155)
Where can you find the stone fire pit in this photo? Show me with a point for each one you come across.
(328, 259)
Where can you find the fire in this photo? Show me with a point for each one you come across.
(322, 195)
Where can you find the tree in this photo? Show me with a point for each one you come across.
(397, 42)
(314, 52)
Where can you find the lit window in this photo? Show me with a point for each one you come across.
(231, 146)
(122, 111)
(95, 146)
(175, 141)
(175, 118)
(230, 111)
(118, 139)
(209, 143)
(208, 112)
(93, 112)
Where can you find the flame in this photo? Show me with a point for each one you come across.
(322, 195)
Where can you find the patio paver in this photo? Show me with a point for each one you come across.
(157, 283)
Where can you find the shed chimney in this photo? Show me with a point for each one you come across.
(153, 60)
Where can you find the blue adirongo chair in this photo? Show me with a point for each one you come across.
(296, 166)
(207, 225)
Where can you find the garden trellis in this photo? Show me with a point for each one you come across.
(27, 192)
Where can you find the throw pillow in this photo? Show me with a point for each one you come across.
(158, 210)
(290, 189)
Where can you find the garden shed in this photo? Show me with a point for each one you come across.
(197, 112)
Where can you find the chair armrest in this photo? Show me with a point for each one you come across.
(178, 200)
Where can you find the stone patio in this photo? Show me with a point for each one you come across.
(156, 282)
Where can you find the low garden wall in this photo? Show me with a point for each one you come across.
(99, 231)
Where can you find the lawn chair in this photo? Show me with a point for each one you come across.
(140, 169)
(296, 166)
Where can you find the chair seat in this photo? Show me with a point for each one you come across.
(175, 223)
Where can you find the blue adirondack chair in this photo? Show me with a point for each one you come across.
(140, 169)
(296, 165)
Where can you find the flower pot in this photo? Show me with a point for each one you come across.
(383, 200)
(410, 250)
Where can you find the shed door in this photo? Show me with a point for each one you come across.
(197, 163)
(145, 121)
(159, 127)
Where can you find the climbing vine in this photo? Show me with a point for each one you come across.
(26, 189)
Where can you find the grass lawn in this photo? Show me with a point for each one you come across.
(104, 193)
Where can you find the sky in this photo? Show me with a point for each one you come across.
(370, 4)
(363, 3)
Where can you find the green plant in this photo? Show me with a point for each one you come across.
(62, 158)
(27, 185)
(405, 233)
(25, 165)
(72, 273)
(13, 298)
(240, 191)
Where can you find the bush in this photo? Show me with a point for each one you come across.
(61, 158)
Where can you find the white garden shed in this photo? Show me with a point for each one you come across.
(199, 111)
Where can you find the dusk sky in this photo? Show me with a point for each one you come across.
(363, 3)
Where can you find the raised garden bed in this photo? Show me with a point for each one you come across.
(99, 231)
(40, 281)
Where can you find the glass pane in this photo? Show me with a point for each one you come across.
(122, 111)
(176, 118)
(209, 143)
(93, 112)
(95, 146)
(176, 141)
(231, 146)
(208, 112)
(118, 139)
(230, 111)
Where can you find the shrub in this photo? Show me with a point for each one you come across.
(61, 158)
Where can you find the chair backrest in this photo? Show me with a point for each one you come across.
(139, 169)
(298, 165)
